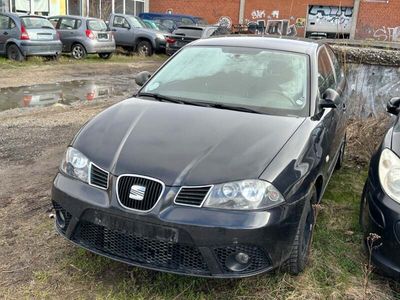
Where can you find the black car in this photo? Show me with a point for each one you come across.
(214, 167)
(380, 202)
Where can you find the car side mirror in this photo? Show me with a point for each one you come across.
(330, 99)
(393, 106)
(142, 78)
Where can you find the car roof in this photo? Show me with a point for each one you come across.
(196, 27)
(169, 15)
(74, 17)
(285, 44)
(19, 15)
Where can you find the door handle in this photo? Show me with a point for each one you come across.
(344, 107)
(113, 29)
(5, 33)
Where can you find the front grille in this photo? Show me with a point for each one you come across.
(152, 192)
(68, 216)
(258, 259)
(139, 249)
(192, 196)
(98, 177)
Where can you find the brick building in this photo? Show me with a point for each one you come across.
(360, 19)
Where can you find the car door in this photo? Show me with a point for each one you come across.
(8, 30)
(67, 29)
(330, 116)
(122, 31)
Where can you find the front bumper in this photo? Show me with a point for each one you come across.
(381, 215)
(174, 238)
(41, 48)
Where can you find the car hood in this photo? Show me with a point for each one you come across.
(183, 144)
(147, 31)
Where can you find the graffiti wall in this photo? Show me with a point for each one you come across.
(329, 19)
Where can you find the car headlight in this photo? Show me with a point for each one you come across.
(244, 195)
(160, 36)
(75, 164)
(389, 174)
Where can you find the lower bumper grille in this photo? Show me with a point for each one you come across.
(66, 214)
(142, 250)
(258, 259)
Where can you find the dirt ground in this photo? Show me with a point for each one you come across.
(43, 74)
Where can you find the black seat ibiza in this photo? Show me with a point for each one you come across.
(213, 168)
(380, 202)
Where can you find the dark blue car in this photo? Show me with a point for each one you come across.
(214, 167)
(380, 202)
(173, 21)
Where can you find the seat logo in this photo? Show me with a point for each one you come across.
(137, 192)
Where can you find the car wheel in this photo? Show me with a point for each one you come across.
(78, 51)
(144, 48)
(301, 246)
(339, 162)
(13, 53)
(105, 55)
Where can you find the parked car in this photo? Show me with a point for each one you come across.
(153, 25)
(81, 36)
(214, 167)
(130, 31)
(27, 35)
(187, 34)
(380, 201)
(173, 21)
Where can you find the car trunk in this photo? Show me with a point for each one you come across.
(99, 30)
(183, 36)
(38, 29)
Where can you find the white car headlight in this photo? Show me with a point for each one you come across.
(75, 164)
(244, 195)
(389, 174)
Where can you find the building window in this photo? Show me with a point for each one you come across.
(41, 7)
(94, 8)
(74, 7)
(106, 9)
(119, 6)
(23, 6)
(139, 7)
(4, 5)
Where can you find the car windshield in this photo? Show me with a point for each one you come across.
(136, 22)
(36, 23)
(269, 81)
(96, 25)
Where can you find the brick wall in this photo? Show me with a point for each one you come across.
(380, 21)
(211, 10)
(376, 20)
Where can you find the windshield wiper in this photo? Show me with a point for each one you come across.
(163, 98)
(233, 107)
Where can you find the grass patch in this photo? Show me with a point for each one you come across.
(66, 60)
(334, 271)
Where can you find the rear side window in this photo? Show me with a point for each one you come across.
(36, 23)
(187, 21)
(326, 74)
(4, 22)
(67, 23)
(96, 25)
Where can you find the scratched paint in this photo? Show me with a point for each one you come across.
(369, 87)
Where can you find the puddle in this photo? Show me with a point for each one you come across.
(66, 92)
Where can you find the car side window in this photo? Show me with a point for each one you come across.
(336, 65)
(54, 21)
(120, 22)
(67, 23)
(4, 22)
(187, 21)
(326, 74)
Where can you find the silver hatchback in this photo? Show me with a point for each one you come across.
(27, 35)
(81, 36)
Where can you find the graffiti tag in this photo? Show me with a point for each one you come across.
(388, 34)
(225, 21)
(258, 14)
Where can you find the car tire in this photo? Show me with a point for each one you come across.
(78, 52)
(105, 55)
(13, 53)
(302, 242)
(339, 162)
(144, 48)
